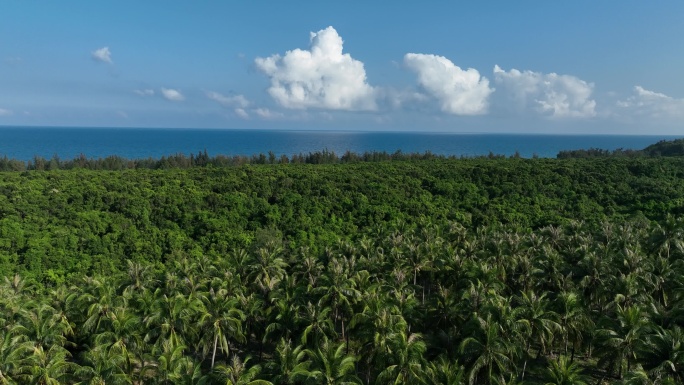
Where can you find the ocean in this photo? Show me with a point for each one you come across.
(24, 143)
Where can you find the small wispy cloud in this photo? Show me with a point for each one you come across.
(265, 113)
(172, 95)
(102, 55)
(145, 92)
(235, 101)
(4, 112)
(653, 105)
(13, 61)
(241, 113)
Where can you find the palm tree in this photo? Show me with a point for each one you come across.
(445, 372)
(447, 312)
(268, 268)
(288, 364)
(254, 324)
(636, 281)
(619, 339)
(330, 365)
(102, 365)
(595, 270)
(537, 319)
(338, 292)
(664, 275)
(13, 293)
(416, 260)
(117, 344)
(139, 277)
(239, 261)
(48, 367)
(662, 354)
(285, 311)
(310, 267)
(45, 326)
(374, 327)
(221, 319)
(14, 352)
(483, 284)
(317, 323)
(640, 377)
(172, 364)
(491, 351)
(669, 236)
(407, 364)
(98, 296)
(564, 372)
(402, 296)
(574, 321)
(237, 373)
(171, 317)
(523, 272)
(548, 265)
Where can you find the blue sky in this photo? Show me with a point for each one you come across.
(536, 66)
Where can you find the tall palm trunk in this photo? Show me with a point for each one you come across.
(213, 354)
(572, 357)
(527, 354)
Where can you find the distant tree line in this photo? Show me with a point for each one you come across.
(203, 159)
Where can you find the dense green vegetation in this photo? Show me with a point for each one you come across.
(403, 271)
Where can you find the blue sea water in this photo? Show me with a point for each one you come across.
(24, 143)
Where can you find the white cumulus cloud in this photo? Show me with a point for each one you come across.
(322, 77)
(559, 96)
(145, 92)
(172, 95)
(459, 92)
(103, 54)
(652, 105)
(4, 112)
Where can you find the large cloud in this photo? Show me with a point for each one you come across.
(559, 96)
(460, 92)
(652, 104)
(103, 54)
(322, 77)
